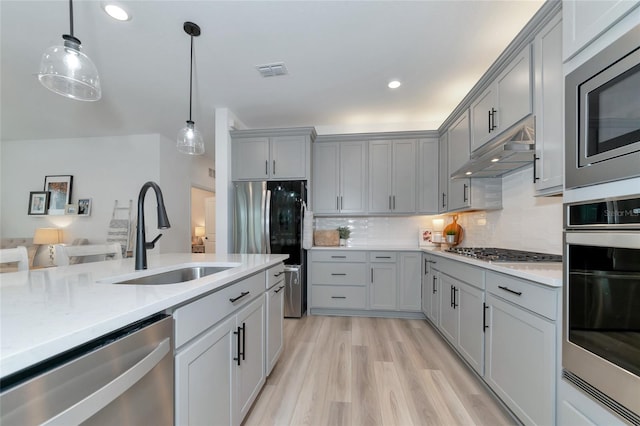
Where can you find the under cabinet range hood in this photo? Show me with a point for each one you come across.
(513, 149)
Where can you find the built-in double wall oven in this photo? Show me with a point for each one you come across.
(601, 329)
(602, 115)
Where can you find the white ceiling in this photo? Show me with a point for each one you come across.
(340, 56)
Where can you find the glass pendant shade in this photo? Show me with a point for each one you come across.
(67, 71)
(190, 140)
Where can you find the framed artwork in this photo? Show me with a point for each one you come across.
(425, 238)
(84, 206)
(38, 202)
(71, 209)
(60, 188)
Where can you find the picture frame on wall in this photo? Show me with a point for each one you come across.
(71, 209)
(38, 202)
(59, 187)
(84, 206)
(425, 238)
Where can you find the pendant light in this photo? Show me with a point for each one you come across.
(67, 71)
(189, 138)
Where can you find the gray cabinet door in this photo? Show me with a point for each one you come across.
(353, 177)
(409, 282)
(288, 157)
(458, 193)
(403, 189)
(380, 175)
(549, 89)
(250, 373)
(383, 286)
(449, 318)
(443, 173)
(250, 159)
(471, 337)
(428, 170)
(326, 177)
(520, 356)
(274, 325)
(482, 110)
(205, 378)
(513, 89)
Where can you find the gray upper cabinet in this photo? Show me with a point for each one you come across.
(428, 175)
(504, 102)
(271, 154)
(584, 21)
(443, 172)
(549, 89)
(339, 181)
(392, 176)
(458, 138)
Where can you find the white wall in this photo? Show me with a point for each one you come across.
(524, 223)
(104, 169)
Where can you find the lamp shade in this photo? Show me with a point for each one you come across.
(200, 231)
(190, 140)
(67, 71)
(47, 236)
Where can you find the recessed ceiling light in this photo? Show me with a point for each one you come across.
(495, 160)
(468, 173)
(394, 84)
(116, 11)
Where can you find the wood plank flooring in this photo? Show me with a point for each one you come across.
(371, 371)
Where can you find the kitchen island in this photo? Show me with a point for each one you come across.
(48, 311)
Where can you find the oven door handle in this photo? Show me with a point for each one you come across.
(84, 409)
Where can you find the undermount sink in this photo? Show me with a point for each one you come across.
(176, 276)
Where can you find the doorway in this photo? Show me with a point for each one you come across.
(203, 220)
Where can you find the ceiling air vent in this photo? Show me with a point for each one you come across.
(272, 70)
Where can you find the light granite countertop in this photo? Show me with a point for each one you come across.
(547, 273)
(47, 311)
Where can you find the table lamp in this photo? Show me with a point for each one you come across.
(200, 232)
(48, 236)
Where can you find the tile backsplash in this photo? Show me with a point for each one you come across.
(525, 222)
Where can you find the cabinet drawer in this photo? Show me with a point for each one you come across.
(339, 273)
(275, 274)
(535, 297)
(382, 256)
(459, 270)
(197, 316)
(338, 256)
(339, 297)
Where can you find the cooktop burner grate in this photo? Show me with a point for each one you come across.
(504, 255)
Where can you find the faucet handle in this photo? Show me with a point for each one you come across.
(152, 244)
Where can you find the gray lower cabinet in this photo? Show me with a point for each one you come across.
(383, 288)
(220, 354)
(521, 346)
(344, 281)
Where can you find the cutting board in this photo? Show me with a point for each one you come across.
(326, 238)
(455, 227)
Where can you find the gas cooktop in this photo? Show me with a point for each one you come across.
(504, 255)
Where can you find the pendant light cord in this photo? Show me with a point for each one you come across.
(71, 16)
(191, 79)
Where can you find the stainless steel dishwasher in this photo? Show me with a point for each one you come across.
(124, 378)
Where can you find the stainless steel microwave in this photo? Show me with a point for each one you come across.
(602, 115)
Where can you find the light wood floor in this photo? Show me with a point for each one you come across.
(371, 371)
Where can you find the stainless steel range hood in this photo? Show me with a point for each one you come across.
(513, 149)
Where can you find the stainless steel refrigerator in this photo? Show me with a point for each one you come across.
(268, 219)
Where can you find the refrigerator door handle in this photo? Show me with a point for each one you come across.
(267, 223)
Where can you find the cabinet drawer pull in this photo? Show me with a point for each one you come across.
(494, 113)
(278, 290)
(237, 333)
(484, 316)
(278, 274)
(266, 167)
(338, 297)
(443, 203)
(517, 293)
(274, 167)
(455, 298)
(434, 290)
(451, 296)
(337, 274)
(535, 172)
(243, 294)
(338, 257)
(383, 257)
